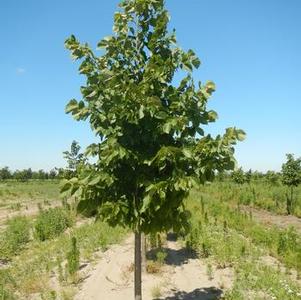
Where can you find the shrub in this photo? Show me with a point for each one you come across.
(51, 223)
(15, 236)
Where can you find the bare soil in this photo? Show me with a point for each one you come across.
(270, 219)
(184, 276)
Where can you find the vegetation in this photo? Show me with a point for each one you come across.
(15, 194)
(220, 231)
(291, 171)
(52, 222)
(153, 147)
(258, 194)
(227, 237)
(14, 238)
(74, 160)
(32, 271)
(73, 257)
(27, 174)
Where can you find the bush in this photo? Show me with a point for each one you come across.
(51, 223)
(15, 236)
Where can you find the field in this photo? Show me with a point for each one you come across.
(26, 197)
(240, 245)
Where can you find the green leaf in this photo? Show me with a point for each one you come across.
(71, 106)
(94, 180)
(212, 116)
(210, 87)
(187, 153)
(241, 135)
(141, 112)
(167, 127)
(151, 144)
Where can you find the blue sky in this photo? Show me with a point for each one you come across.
(250, 49)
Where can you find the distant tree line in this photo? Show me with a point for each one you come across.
(74, 160)
(29, 174)
(289, 176)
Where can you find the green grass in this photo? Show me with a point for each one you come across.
(226, 237)
(220, 233)
(33, 268)
(15, 236)
(258, 194)
(14, 194)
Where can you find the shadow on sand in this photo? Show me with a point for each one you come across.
(174, 257)
(210, 293)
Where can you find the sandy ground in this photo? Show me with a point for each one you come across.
(182, 277)
(270, 219)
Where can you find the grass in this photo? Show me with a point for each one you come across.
(226, 237)
(156, 292)
(259, 194)
(14, 194)
(221, 234)
(33, 268)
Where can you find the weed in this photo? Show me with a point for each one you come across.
(16, 206)
(161, 256)
(156, 292)
(15, 237)
(210, 272)
(73, 257)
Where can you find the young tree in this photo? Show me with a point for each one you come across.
(5, 173)
(238, 176)
(248, 176)
(74, 159)
(291, 177)
(152, 147)
(272, 177)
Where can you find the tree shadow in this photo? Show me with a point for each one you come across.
(174, 257)
(210, 293)
(171, 236)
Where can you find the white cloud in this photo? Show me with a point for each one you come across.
(20, 70)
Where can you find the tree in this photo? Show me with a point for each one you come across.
(291, 177)
(248, 176)
(152, 146)
(238, 176)
(5, 173)
(74, 159)
(272, 177)
(23, 175)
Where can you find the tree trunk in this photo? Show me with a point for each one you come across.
(288, 207)
(292, 199)
(138, 292)
(143, 252)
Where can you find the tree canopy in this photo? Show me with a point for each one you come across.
(152, 144)
(291, 171)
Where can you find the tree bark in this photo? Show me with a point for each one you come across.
(138, 290)
(143, 252)
(292, 199)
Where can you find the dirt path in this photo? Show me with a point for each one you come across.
(270, 219)
(183, 277)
